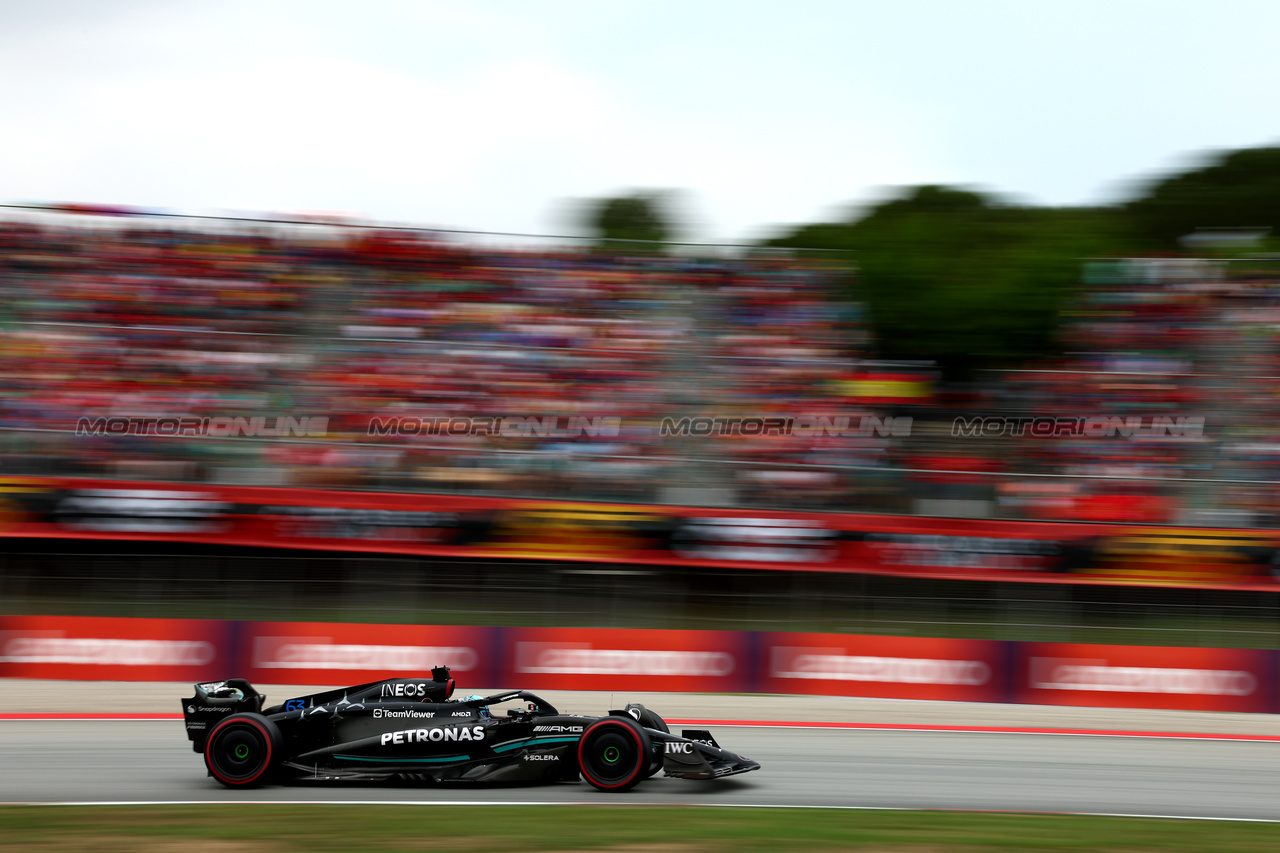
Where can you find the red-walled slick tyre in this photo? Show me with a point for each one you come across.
(613, 754)
(650, 720)
(242, 750)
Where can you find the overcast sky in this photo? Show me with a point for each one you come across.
(495, 115)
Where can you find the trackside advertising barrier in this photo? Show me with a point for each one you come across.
(888, 667)
(772, 540)
(95, 648)
(1146, 677)
(342, 653)
(98, 649)
(620, 659)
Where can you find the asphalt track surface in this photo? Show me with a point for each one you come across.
(1238, 777)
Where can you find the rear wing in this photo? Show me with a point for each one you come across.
(214, 701)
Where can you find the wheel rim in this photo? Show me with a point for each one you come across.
(240, 752)
(612, 756)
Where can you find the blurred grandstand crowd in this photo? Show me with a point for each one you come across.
(116, 317)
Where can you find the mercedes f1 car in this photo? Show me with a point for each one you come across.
(409, 729)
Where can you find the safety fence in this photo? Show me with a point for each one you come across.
(745, 662)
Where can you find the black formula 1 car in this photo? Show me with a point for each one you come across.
(409, 729)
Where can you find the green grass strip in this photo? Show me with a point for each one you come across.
(658, 829)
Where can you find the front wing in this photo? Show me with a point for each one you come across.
(696, 755)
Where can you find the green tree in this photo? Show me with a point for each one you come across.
(645, 216)
(1240, 189)
(961, 278)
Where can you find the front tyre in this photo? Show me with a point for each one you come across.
(613, 754)
(650, 720)
(242, 750)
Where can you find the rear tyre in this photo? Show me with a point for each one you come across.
(614, 754)
(242, 750)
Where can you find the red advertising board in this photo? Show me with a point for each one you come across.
(1188, 679)
(503, 528)
(624, 659)
(91, 648)
(111, 649)
(340, 653)
(883, 667)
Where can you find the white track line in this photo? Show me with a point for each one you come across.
(597, 803)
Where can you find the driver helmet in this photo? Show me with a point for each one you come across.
(484, 709)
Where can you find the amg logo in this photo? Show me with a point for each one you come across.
(475, 733)
(575, 729)
(679, 749)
